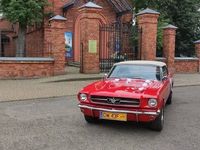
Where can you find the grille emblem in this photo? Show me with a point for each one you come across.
(113, 101)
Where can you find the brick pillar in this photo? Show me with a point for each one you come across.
(147, 23)
(89, 37)
(0, 44)
(197, 50)
(169, 37)
(54, 42)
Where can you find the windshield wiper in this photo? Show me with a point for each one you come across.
(137, 78)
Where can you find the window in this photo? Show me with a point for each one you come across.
(146, 72)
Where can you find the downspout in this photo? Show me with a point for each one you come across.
(119, 22)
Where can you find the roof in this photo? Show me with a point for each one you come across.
(68, 4)
(142, 62)
(120, 6)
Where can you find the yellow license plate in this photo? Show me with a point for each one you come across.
(113, 116)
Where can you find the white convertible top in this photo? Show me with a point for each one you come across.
(142, 62)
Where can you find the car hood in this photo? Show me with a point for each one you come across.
(124, 88)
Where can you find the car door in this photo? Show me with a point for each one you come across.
(166, 83)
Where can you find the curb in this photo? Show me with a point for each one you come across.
(186, 85)
(75, 79)
(34, 99)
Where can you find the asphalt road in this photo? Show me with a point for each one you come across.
(57, 124)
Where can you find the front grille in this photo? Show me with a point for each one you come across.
(115, 101)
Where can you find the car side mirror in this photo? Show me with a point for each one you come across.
(164, 78)
(105, 76)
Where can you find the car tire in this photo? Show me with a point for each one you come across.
(158, 124)
(169, 100)
(89, 119)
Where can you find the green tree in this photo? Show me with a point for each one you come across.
(24, 13)
(185, 15)
(182, 13)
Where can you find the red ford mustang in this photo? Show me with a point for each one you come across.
(132, 91)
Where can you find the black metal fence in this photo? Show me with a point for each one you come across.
(116, 44)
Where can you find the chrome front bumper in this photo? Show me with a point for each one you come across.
(156, 113)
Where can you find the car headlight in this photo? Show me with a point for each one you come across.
(152, 102)
(83, 97)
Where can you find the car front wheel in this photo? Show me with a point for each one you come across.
(158, 124)
(89, 119)
(169, 100)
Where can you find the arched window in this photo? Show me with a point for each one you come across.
(4, 39)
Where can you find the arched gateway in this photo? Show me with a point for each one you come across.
(91, 42)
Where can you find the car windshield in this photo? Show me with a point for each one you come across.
(147, 72)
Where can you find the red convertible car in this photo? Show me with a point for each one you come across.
(132, 91)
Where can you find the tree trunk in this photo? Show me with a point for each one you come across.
(20, 52)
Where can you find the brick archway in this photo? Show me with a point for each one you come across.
(90, 15)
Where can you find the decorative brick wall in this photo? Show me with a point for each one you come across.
(183, 65)
(12, 68)
(39, 67)
(189, 65)
(186, 65)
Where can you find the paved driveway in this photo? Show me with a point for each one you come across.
(57, 124)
